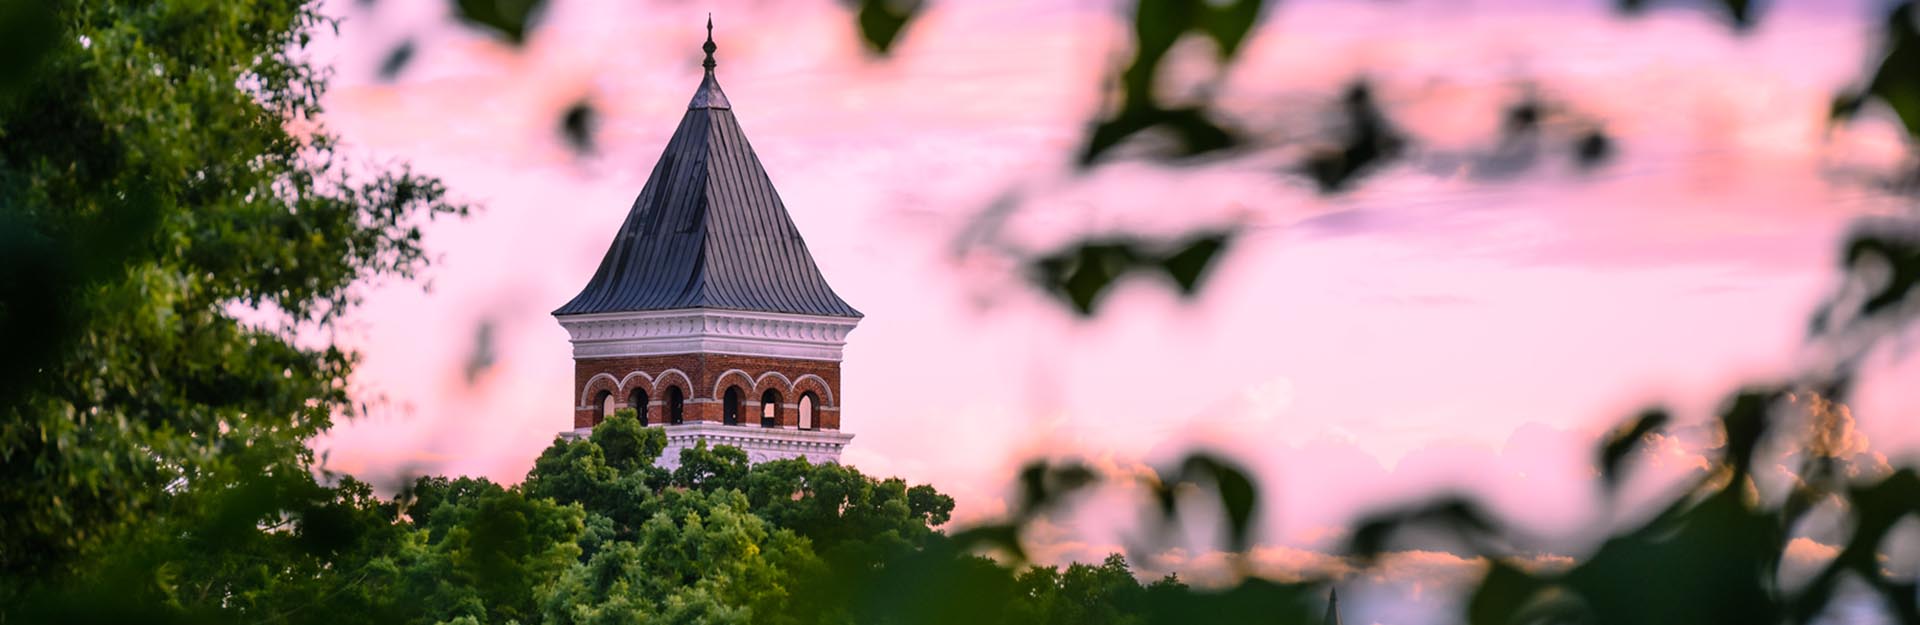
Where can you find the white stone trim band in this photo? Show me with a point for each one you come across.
(707, 330)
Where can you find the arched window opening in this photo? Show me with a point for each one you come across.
(676, 405)
(637, 400)
(731, 412)
(604, 403)
(770, 409)
(807, 419)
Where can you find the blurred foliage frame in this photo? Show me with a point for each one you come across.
(161, 171)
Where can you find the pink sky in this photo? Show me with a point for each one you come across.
(1430, 330)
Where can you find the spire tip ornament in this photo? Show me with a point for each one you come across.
(708, 46)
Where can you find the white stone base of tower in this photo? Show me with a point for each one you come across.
(760, 443)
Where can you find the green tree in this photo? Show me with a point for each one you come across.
(704, 557)
(850, 517)
(161, 171)
(498, 553)
(710, 469)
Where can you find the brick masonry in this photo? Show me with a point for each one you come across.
(697, 375)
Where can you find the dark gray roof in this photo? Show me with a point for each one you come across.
(708, 231)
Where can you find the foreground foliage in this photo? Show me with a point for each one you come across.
(162, 176)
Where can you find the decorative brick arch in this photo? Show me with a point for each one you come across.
(720, 382)
(811, 382)
(599, 382)
(667, 378)
(626, 383)
(773, 380)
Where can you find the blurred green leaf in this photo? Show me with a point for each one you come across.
(1367, 143)
(1592, 149)
(1189, 264)
(1622, 442)
(511, 19)
(1082, 274)
(1898, 257)
(1193, 130)
(1239, 500)
(883, 21)
(1745, 421)
(578, 125)
(397, 60)
(1045, 485)
(1742, 14)
(1453, 515)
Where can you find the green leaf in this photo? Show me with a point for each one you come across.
(397, 60)
(1746, 421)
(1367, 143)
(1621, 442)
(1189, 263)
(1082, 274)
(511, 19)
(578, 125)
(883, 21)
(1592, 149)
(1239, 500)
(1228, 23)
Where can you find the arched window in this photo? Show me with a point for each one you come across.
(676, 405)
(637, 400)
(770, 409)
(730, 413)
(807, 419)
(604, 403)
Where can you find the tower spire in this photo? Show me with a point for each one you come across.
(708, 46)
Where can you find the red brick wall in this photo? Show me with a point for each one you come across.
(704, 371)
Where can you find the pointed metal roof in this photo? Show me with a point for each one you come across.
(708, 230)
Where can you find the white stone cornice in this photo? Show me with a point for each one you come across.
(707, 330)
(760, 443)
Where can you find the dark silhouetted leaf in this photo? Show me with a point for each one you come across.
(1228, 22)
(510, 19)
(1624, 441)
(1453, 515)
(1189, 132)
(1884, 249)
(1005, 537)
(1194, 129)
(1746, 420)
(1189, 264)
(578, 125)
(1239, 500)
(883, 21)
(1082, 274)
(1522, 118)
(1043, 485)
(1592, 149)
(396, 60)
(1741, 14)
(1896, 82)
(481, 356)
(1367, 143)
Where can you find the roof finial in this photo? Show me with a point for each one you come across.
(709, 47)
